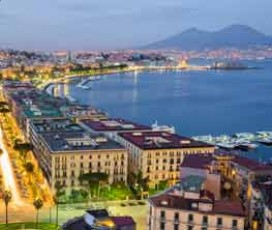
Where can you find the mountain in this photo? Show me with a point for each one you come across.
(234, 36)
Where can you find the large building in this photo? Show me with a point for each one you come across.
(158, 155)
(190, 206)
(65, 151)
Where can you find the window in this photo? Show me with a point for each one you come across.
(162, 214)
(162, 226)
(204, 229)
(190, 218)
(190, 228)
(205, 220)
(176, 216)
(219, 221)
(234, 223)
(176, 227)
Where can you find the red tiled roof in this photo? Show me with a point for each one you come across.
(197, 161)
(161, 140)
(121, 125)
(251, 164)
(228, 208)
(233, 208)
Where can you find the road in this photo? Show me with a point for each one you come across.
(8, 175)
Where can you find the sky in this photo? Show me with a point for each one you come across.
(118, 24)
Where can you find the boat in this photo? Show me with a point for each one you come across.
(245, 136)
(163, 128)
(246, 146)
(86, 87)
(265, 141)
(226, 145)
(94, 78)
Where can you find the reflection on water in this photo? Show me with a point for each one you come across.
(196, 103)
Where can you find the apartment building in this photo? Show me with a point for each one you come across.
(65, 151)
(189, 206)
(158, 155)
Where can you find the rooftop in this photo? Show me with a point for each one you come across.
(78, 141)
(226, 207)
(38, 104)
(161, 140)
(251, 164)
(197, 161)
(114, 125)
(56, 125)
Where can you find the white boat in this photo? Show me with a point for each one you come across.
(247, 145)
(245, 136)
(163, 128)
(82, 83)
(265, 141)
(226, 145)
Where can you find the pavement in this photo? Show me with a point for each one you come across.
(26, 212)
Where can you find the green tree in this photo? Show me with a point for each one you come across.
(94, 179)
(29, 169)
(38, 204)
(24, 149)
(7, 196)
(58, 193)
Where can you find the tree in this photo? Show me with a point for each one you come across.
(4, 111)
(24, 149)
(38, 204)
(7, 196)
(58, 192)
(94, 179)
(29, 169)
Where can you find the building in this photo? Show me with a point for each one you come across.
(80, 112)
(189, 206)
(100, 220)
(202, 165)
(112, 127)
(158, 155)
(260, 203)
(65, 151)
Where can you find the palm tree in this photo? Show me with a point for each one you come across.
(7, 196)
(29, 169)
(38, 203)
(58, 192)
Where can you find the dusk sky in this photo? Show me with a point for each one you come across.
(109, 24)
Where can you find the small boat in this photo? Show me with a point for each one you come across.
(163, 128)
(246, 146)
(226, 145)
(265, 141)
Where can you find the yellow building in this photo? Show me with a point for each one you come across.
(158, 155)
(65, 151)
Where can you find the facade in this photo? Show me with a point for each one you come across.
(158, 155)
(260, 203)
(65, 151)
(189, 206)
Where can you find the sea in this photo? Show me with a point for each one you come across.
(194, 102)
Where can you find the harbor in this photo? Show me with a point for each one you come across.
(241, 141)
